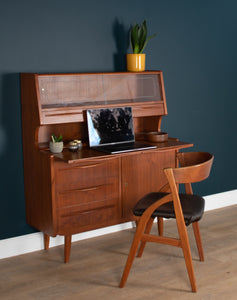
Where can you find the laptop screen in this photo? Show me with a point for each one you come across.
(108, 126)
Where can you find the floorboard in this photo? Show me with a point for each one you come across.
(96, 266)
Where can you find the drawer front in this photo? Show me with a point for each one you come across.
(80, 176)
(89, 197)
(73, 221)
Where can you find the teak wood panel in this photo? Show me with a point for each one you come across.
(142, 174)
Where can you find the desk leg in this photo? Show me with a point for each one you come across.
(67, 247)
(46, 241)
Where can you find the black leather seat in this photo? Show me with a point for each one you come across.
(192, 206)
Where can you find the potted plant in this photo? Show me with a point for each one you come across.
(138, 41)
(56, 144)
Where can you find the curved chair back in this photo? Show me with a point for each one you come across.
(195, 167)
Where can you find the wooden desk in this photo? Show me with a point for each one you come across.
(68, 193)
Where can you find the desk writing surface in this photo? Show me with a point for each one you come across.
(87, 153)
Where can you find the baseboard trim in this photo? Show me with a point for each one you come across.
(34, 242)
(220, 200)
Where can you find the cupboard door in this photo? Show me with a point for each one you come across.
(141, 174)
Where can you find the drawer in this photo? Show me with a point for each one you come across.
(78, 176)
(88, 196)
(74, 221)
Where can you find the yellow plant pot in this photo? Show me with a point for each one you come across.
(136, 62)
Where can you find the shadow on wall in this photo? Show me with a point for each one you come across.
(12, 217)
(121, 36)
(10, 118)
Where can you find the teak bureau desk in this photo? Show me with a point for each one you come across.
(68, 193)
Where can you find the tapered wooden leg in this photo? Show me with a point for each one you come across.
(189, 266)
(147, 230)
(130, 259)
(197, 234)
(186, 248)
(187, 252)
(160, 224)
(133, 250)
(46, 241)
(67, 247)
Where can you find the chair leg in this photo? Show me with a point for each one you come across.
(133, 250)
(186, 248)
(197, 235)
(143, 244)
(189, 266)
(160, 224)
(188, 257)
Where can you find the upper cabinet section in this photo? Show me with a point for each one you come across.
(64, 98)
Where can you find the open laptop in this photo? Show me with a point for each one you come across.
(111, 130)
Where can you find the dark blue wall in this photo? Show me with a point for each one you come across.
(196, 48)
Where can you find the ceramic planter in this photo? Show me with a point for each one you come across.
(136, 62)
(56, 147)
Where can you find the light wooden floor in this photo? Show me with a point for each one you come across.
(96, 267)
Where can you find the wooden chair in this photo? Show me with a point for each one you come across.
(169, 203)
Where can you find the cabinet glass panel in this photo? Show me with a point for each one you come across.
(98, 89)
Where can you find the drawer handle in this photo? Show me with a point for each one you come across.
(95, 164)
(89, 166)
(86, 189)
(103, 160)
(80, 167)
(87, 211)
(91, 189)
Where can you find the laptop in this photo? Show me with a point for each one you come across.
(111, 130)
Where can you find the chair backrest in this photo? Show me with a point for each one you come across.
(195, 167)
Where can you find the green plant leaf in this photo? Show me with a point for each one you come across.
(56, 139)
(60, 138)
(134, 36)
(143, 36)
(148, 39)
(136, 49)
(138, 37)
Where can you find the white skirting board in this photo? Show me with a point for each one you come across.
(34, 242)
